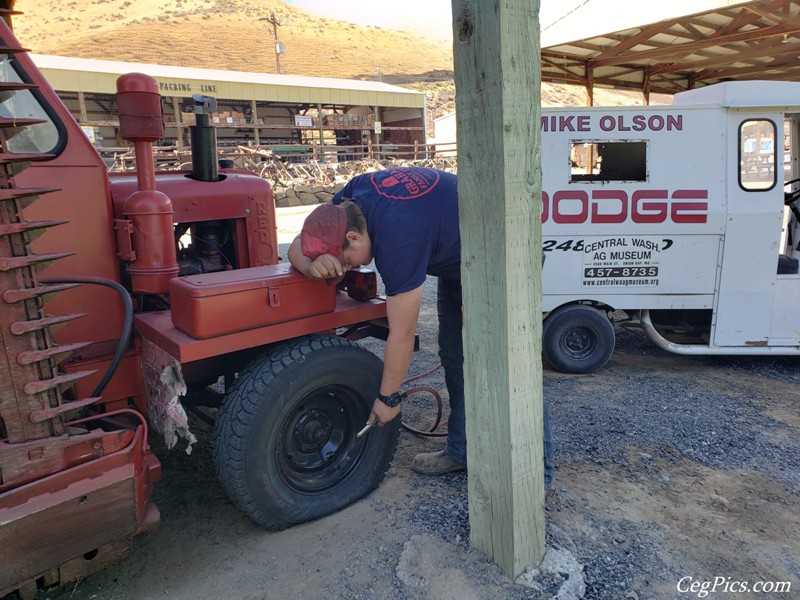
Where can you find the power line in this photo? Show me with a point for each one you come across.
(564, 16)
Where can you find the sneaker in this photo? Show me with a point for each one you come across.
(435, 463)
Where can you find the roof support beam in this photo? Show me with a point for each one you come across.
(755, 39)
(773, 12)
(718, 61)
(624, 45)
(681, 51)
(589, 86)
(692, 30)
(741, 19)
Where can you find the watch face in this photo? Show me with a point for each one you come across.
(392, 400)
(396, 398)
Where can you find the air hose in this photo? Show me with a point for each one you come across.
(127, 325)
(439, 407)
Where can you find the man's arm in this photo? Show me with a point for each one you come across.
(323, 267)
(403, 313)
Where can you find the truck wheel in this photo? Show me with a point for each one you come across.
(285, 445)
(577, 339)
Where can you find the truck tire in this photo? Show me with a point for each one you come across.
(577, 339)
(285, 445)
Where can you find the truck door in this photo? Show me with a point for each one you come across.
(752, 232)
(785, 321)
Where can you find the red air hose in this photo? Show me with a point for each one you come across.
(439, 406)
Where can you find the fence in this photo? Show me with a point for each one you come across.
(252, 157)
(307, 175)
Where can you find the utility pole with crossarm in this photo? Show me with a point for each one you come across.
(278, 45)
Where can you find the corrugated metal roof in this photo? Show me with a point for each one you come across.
(99, 76)
(758, 39)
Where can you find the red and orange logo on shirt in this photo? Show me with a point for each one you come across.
(404, 184)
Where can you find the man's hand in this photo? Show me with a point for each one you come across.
(326, 266)
(382, 414)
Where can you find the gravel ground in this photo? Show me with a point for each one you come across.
(649, 414)
(714, 427)
(669, 467)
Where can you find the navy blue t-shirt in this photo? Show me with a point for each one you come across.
(412, 222)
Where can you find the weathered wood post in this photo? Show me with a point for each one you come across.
(176, 108)
(497, 75)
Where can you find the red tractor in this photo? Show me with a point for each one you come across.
(125, 296)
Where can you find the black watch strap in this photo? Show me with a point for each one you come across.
(392, 400)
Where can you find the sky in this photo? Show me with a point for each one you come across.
(560, 20)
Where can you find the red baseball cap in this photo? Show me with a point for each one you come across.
(323, 233)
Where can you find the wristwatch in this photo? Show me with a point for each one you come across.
(392, 400)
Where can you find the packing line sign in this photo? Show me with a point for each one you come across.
(616, 261)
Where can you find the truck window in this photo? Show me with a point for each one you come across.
(757, 155)
(788, 143)
(23, 104)
(608, 161)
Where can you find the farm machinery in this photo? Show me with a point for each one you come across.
(126, 296)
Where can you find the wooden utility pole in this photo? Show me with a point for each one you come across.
(497, 75)
(278, 47)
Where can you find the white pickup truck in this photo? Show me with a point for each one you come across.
(683, 216)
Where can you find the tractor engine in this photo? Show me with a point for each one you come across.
(219, 221)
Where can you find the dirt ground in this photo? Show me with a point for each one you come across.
(669, 468)
(641, 515)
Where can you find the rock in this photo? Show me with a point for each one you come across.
(307, 198)
(562, 563)
(719, 501)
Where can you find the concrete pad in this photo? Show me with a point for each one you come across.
(290, 221)
(430, 568)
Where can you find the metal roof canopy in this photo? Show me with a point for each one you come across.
(751, 40)
(99, 76)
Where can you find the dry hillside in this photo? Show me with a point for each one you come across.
(223, 34)
(227, 34)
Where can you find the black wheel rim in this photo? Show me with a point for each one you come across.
(578, 343)
(317, 447)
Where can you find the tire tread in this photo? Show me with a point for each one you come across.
(240, 410)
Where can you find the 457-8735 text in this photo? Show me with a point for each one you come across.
(620, 272)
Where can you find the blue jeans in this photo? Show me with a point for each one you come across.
(451, 352)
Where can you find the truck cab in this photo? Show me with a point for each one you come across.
(684, 217)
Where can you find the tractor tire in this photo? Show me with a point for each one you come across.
(285, 445)
(577, 339)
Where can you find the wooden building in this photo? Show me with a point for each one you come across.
(284, 113)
